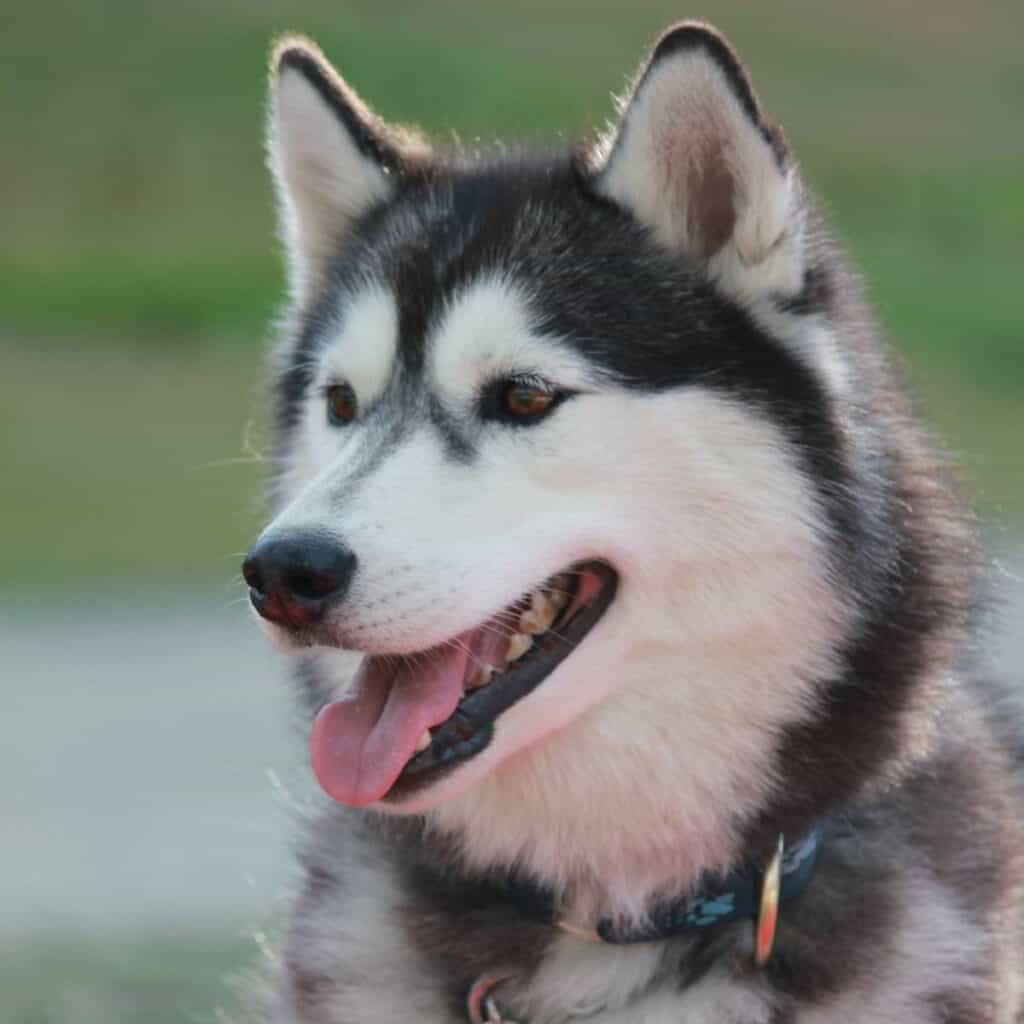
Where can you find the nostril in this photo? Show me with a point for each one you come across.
(310, 585)
(251, 573)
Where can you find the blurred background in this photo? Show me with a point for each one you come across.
(149, 769)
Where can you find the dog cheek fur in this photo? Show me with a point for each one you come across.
(731, 567)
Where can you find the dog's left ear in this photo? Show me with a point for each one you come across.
(694, 159)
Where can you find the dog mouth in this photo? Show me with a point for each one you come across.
(411, 719)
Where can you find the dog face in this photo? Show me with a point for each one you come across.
(550, 446)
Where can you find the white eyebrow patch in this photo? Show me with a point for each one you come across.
(487, 332)
(362, 351)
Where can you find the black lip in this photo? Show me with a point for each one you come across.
(471, 728)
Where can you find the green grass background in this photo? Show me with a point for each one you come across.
(138, 272)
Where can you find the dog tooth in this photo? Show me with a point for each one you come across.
(518, 646)
(423, 742)
(559, 591)
(528, 622)
(540, 615)
(481, 678)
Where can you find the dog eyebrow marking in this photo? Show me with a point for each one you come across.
(362, 348)
(482, 331)
(489, 331)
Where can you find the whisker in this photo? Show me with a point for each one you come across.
(553, 632)
(462, 646)
(503, 627)
(240, 460)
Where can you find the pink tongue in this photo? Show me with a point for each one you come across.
(360, 745)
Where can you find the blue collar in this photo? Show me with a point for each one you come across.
(744, 894)
(739, 896)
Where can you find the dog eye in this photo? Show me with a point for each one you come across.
(519, 400)
(341, 404)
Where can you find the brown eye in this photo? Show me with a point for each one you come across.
(523, 401)
(341, 404)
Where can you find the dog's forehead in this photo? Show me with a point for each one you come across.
(461, 277)
(447, 281)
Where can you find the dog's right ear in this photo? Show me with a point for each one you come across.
(332, 158)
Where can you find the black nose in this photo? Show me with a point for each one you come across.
(294, 578)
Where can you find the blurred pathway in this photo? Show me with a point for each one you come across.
(144, 749)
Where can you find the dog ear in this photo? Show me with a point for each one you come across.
(694, 159)
(331, 157)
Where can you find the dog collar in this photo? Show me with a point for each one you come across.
(754, 892)
(750, 892)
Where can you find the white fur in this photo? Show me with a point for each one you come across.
(487, 333)
(686, 680)
(683, 117)
(580, 979)
(691, 674)
(363, 351)
(323, 181)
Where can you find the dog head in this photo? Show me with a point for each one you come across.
(556, 447)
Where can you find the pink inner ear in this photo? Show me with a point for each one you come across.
(695, 166)
(694, 137)
(711, 205)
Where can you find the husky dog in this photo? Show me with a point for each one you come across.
(665, 712)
